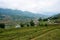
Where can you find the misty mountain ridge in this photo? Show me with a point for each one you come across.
(19, 15)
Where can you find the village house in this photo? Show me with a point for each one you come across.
(36, 22)
(18, 26)
(9, 24)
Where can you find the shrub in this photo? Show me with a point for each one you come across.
(40, 19)
(2, 25)
(27, 25)
(22, 25)
(32, 23)
(46, 25)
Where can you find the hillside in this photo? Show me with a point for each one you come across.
(54, 17)
(19, 15)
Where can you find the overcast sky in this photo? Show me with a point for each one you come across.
(36, 6)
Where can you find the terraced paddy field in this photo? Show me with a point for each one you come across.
(31, 33)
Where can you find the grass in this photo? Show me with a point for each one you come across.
(25, 33)
(53, 35)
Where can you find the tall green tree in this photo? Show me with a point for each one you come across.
(32, 23)
(2, 25)
(40, 19)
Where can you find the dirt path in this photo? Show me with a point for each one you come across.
(43, 34)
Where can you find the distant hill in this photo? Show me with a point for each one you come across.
(57, 16)
(18, 15)
(54, 17)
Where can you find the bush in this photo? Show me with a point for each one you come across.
(2, 25)
(45, 19)
(46, 25)
(32, 23)
(43, 25)
(40, 19)
(22, 25)
(27, 25)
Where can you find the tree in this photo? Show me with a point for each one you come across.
(40, 19)
(45, 19)
(32, 23)
(27, 25)
(22, 25)
(2, 25)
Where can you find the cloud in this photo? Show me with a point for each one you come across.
(37, 6)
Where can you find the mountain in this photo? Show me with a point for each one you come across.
(55, 17)
(18, 15)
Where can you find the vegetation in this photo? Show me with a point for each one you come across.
(46, 28)
(26, 33)
(22, 25)
(52, 35)
(2, 25)
(40, 19)
(32, 23)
